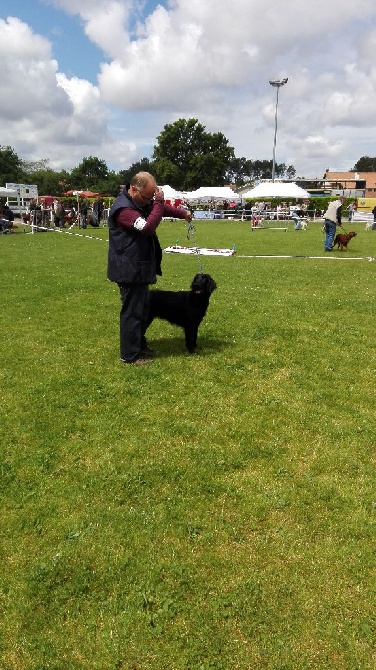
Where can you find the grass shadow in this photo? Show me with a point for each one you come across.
(175, 346)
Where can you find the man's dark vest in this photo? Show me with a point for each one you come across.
(133, 258)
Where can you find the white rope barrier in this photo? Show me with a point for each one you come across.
(330, 257)
(62, 231)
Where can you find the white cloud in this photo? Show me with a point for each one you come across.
(210, 60)
(45, 114)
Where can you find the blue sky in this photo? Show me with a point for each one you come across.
(126, 68)
(76, 54)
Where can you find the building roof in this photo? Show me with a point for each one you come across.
(355, 177)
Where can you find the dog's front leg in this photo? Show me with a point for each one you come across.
(191, 339)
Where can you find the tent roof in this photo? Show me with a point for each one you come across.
(7, 192)
(276, 189)
(221, 192)
(170, 193)
(85, 194)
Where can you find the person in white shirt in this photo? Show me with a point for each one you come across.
(332, 218)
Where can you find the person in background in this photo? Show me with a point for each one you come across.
(350, 211)
(83, 213)
(46, 214)
(8, 214)
(6, 219)
(374, 218)
(97, 212)
(297, 215)
(304, 208)
(59, 214)
(71, 216)
(332, 218)
(35, 212)
(134, 258)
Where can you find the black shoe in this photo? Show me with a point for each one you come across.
(329, 249)
(146, 352)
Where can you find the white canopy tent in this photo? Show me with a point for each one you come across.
(7, 192)
(277, 189)
(170, 193)
(215, 192)
(12, 196)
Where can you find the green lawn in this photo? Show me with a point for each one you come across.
(205, 512)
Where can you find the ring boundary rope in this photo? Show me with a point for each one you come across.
(326, 258)
(65, 232)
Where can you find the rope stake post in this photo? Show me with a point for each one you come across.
(191, 232)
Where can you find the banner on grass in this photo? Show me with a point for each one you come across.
(201, 251)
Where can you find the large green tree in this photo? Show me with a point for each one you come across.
(187, 156)
(243, 170)
(89, 175)
(143, 165)
(49, 182)
(365, 164)
(262, 169)
(239, 171)
(10, 167)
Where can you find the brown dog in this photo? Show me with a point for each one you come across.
(342, 240)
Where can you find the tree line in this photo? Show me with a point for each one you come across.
(185, 156)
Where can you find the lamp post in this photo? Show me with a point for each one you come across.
(277, 83)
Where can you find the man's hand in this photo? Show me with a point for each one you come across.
(159, 195)
(188, 216)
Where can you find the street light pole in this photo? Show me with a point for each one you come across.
(277, 83)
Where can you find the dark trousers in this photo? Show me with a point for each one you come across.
(133, 319)
(330, 231)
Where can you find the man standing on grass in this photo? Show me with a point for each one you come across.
(134, 258)
(332, 218)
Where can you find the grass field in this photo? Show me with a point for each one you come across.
(205, 512)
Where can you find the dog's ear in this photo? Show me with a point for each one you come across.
(210, 285)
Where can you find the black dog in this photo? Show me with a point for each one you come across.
(183, 308)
